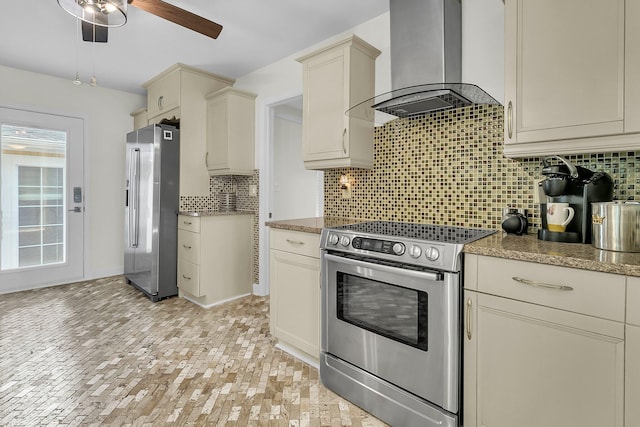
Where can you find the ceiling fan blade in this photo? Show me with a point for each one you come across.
(179, 16)
(91, 31)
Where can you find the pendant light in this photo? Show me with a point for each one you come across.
(94, 80)
(77, 80)
(105, 13)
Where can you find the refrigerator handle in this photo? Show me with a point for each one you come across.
(133, 194)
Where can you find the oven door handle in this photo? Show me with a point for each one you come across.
(429, 275)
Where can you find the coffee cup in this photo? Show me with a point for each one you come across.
(559, 215)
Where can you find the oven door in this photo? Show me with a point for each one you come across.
(399, 324)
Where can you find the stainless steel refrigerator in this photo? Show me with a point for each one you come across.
(151, 210)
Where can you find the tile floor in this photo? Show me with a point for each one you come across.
(100, 353)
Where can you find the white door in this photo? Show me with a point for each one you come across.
(41, 190)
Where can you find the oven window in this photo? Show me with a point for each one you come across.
(391, 311)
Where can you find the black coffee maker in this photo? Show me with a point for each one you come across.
(578, 186)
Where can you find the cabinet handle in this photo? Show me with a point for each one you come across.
(185, 277)
(510, 119)
(295, 242)
(344, 141)
(469, 304)
(160, 102)
(542, 285)
(186, 246)
(187, 222)
(206, 160)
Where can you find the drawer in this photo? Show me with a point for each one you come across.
(189, 278)
(189, 223)
(296, 242)
(633, 300)
(163, 94)
(189, 246)
(581, 291)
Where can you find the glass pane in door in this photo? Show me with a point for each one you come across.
(33, 189)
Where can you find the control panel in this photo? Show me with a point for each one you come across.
(408, 251)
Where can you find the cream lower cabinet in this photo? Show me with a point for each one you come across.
(543, 346)
(295, 289)
(632, 356)
(215, 257)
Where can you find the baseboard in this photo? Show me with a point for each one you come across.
(213, 304)
(299, 355)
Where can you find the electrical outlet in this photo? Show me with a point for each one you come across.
(536, 190)
(253, 190)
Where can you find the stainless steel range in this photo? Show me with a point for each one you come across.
(390, 338)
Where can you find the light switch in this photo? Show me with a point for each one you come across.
(253, 190)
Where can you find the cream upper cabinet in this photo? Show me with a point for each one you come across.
(140, 119)
(572, 76)
(295, 289)
(231, 132)
(180, 91)
(336, 78)
(540, 349)
(632, 356)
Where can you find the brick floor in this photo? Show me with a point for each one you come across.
(100, 353)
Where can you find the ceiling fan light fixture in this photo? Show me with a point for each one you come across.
(104, 13)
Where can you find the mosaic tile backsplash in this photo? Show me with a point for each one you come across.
(244, 202)
(448, 168)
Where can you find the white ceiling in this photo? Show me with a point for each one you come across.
(38, 35)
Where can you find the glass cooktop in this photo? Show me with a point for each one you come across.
(426, 232)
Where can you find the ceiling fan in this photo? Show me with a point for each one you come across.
(98, 15)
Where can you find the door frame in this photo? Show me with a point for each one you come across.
(84, 118)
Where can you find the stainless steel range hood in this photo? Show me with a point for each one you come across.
(426, 61)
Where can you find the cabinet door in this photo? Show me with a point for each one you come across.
(217, 134)
(295, 300)
(470, 336)
(324, 130)
(632, 376)
(564, 69)
(163, 94)
(538, 366)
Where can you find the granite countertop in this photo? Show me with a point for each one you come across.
(575, 255)
(501, 245)
(214, 213)
(310, 225)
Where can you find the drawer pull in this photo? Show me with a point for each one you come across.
(187, 222)
(185, 277)
(186, 246)
(469, 304)
(295, 242)
(542, 285)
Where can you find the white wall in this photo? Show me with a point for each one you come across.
(107, 120)
(483, 45)
(295, 191)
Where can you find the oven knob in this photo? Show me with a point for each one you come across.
(344, 241)
(333, 239)
(432, 254)
(398, 248)
(415, 251)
